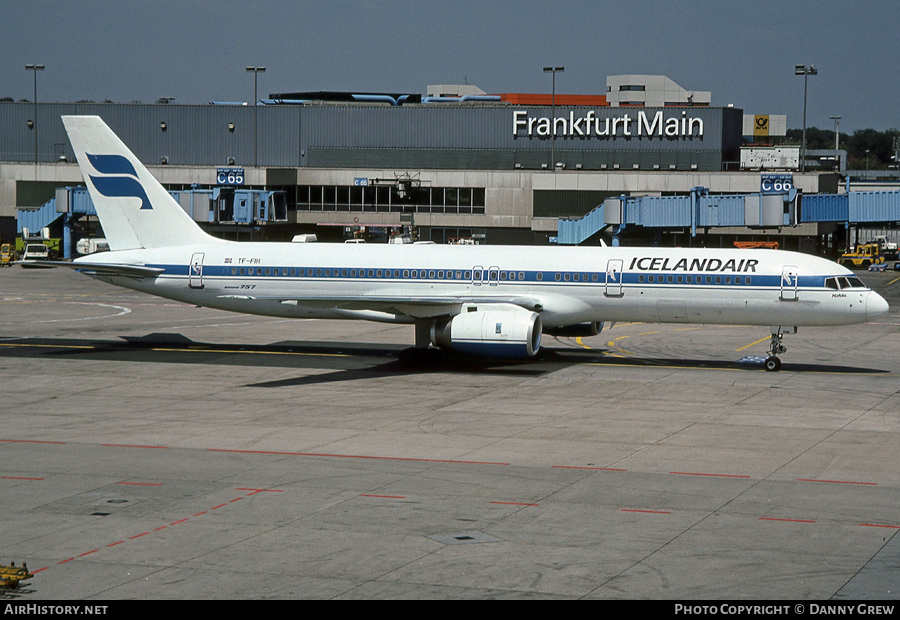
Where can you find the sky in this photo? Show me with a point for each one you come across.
(196, 51)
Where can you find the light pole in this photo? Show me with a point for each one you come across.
(805, 72)
(554, 71)
(837, 140)
(35, 69)
(256, 71)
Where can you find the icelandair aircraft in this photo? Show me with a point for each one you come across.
(488, 300)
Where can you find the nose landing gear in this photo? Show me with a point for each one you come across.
(773, 363)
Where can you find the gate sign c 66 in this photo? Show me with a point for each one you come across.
(776, 183)
(229, 176)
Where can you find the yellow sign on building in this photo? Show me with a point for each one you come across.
(761, 125)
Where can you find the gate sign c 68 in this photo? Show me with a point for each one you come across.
(776, 183)
(229, 176)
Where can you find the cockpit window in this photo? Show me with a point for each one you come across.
(843, 282)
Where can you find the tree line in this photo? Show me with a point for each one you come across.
(863, 144)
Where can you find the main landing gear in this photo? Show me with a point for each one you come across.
(773, 363)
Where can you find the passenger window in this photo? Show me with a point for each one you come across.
(539, 276)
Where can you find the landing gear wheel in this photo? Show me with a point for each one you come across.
(773, 364)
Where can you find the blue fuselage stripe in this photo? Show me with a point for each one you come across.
(493, 277)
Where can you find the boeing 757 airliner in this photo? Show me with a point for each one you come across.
(491, 300)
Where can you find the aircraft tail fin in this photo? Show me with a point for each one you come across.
(135, 210)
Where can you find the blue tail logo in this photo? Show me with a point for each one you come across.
(122, 181)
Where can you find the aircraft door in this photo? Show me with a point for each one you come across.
(493, 274)
(614, 268)
(477, 275)
(789, 282)
(195, 270)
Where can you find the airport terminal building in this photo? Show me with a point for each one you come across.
(455, 163)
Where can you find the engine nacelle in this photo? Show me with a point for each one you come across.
(500, 330)
(577, 330)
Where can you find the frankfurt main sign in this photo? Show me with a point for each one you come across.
(590, 125)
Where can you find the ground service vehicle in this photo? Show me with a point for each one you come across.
(35, 252)
(7, 254)
(862, 256)
(888, 248)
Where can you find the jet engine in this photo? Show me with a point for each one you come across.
(501, 330)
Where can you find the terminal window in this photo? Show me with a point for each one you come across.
(391, 199)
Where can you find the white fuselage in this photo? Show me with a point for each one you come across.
(565, 285)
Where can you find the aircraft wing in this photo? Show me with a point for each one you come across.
(417, 307)
(99, 269)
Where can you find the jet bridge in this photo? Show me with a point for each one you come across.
(700, 209)
(220, 205)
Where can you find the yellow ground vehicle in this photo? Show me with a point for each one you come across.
(7, 255)
(864, 255)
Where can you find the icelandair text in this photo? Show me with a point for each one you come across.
(648, 263)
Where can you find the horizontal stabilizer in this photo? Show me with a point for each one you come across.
(99, 269)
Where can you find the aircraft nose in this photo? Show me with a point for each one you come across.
(875, 306)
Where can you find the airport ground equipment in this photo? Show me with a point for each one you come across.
(11, 575)
(7, 255)
(862, 256)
